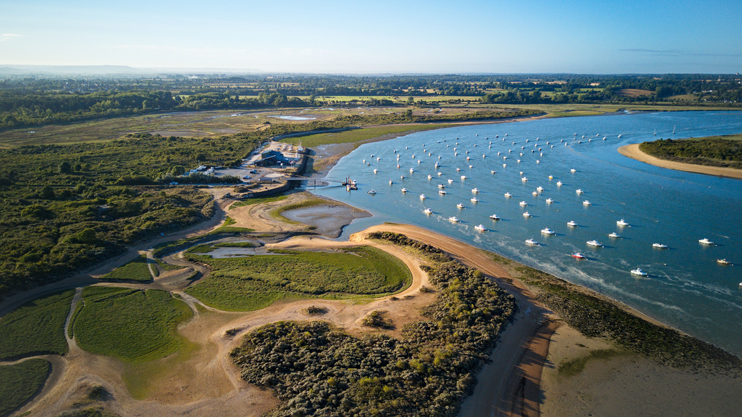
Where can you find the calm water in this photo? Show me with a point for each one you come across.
(685, 288)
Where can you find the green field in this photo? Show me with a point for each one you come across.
(254, 282)
(36, 327)
(131, 325)
(258, 200)
(136, 270)
(357, 135)
(18, 383)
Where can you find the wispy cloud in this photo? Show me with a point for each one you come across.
(674, 52)
(8, 36)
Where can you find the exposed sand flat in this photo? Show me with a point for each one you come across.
(633, 152)
(629, 385)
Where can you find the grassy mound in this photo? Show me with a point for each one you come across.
(131, 325)
(254, 282)
(723, 151)
(136, 270)
(36, 327)
(20, 382)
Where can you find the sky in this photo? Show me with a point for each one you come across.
(379, 36)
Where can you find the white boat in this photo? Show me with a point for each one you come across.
(706, 242)
(475, 190)
(480, 228)
(573, 170)
(571, 223)
(508, 195)
(549, 201)
(463, 177)
(723, 262)
(460, 206)
(442, 192)
(492, 172)
(441, 186)
(524, 179)
(559, 183)
(526, 214)
(578, 191)
(401, 177)
(523, 204)
(594, 243)
(586, 203)
(450, 181)
(375, 170)
(372, 192)
(638, 272)
(540, 189)
(440, 173)
(422, 197)
(535, 193)
(458, 169)
(623, 223)
(390, 182)
(453, 219)
(531, 242)
(494, 217)
(504, 165)
(547, 231)
(404, 190)
(412, 170)
(428, 212)
(430, 177)
(614, 235)
(474, 200)
(659, 246)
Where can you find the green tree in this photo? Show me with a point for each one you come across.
(65, 168)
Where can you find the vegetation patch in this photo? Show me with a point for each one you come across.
(378, 319)
(136, 270)
(131, 325)
(576, 366)
(36, 328)
(316, 369)
(719, 151)
(357, 135)
(315, 311)
(20, 382)
(254, 282)
(596, 316)
(257, 200)
(235, 245)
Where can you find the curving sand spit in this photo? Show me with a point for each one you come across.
(633, 152)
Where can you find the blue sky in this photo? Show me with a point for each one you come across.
(349, 36)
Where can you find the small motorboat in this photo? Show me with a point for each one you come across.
(586, 203)
(524, 179)
(459, 206)
(401, 177)
(535, 193)
(428, 212)
(508, 195)
(372, 192)
(540, 189)
(706, 242)
(579, 191)
(450, 181)
(578, 255)
(723, 262)
(422, 197)
(571, 223)
(492, 171)
(494, 217)
(441, 186)
(623, 223)
(547, 231)
(442, 192)
(638, 272)
(375, 170)
(573, 170)
(475, 190)
(404, 190)
(559, 183)
(480, 228)
(474, 200)
(430, 177)
(463, 177)
(440, 173)
(458, 169)
(523, 204)
(526, 214)
(453, 219)
(412, 170)
(549, 201)
(659, 246)
(614, 235)
(531, 242)
(594, 243)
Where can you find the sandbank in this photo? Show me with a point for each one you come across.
(633, 152)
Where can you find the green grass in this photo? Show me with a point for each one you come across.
(227, 227)
(277, 213)
(254, 282)
(36, 327)
(136, 270)
(576, 366)
(162, 266)
(357, 135)
(131, 325)
(258, 200)
(235, 245)
(18, 383)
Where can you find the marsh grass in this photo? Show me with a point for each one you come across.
(18, 383)
(576, 366)
(136, 270)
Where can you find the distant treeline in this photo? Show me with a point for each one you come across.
(714, 151)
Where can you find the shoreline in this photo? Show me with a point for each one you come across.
(632, 151)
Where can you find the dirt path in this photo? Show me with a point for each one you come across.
(633, 152)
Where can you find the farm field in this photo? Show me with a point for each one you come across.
(36, 327)
(254, 282)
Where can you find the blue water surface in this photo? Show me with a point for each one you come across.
(686, 287)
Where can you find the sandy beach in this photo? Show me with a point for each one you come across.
(633, 152)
